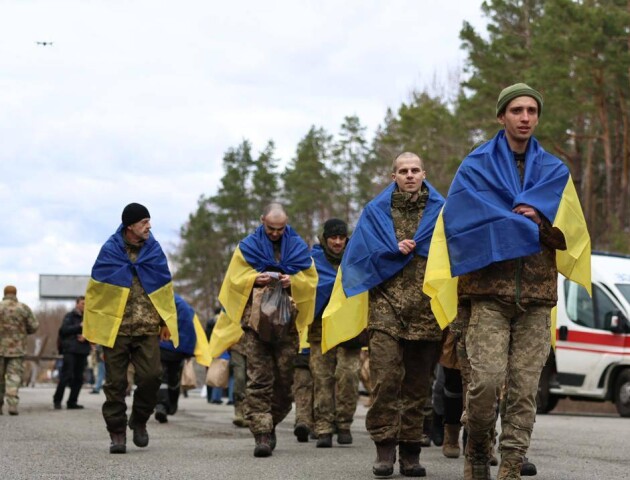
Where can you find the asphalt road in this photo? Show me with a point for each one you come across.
(200, 442)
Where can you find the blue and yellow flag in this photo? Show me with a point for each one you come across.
(477, 226)
(192, 337)
(255, 255)
(108, 288)
(326, 274)
(371, 257)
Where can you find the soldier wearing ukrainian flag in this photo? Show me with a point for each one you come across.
(129, 308)
(511, 221)
(379, 285)
(271, 254)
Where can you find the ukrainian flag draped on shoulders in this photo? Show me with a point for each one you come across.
(192, 337)
(110, 283)
(370, 258)
(326, 274)
(477, 226)
(253, 256)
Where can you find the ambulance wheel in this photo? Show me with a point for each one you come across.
(622, 393)
(545, 401)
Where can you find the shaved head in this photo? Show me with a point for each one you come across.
(405, 156)
(274, 220)
(274, 212)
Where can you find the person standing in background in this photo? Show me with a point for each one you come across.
(75, 353)
(16, 323)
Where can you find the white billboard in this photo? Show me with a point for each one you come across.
(62, 287)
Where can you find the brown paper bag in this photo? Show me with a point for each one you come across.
(218, 374)
(189, 378)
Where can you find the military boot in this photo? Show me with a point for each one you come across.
(324, 440)
(385, 458)
(263, 445)
(410, 459)
(437, 429)
(161, 414)
(510, 468)
(301, 431)
(477, 460)
(119, 442)
(344, 437)
(140, 435)
(450, 448)
(528, 469)
(425, 439)
(13, 410)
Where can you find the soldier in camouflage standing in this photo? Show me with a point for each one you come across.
(335, 373)
(129, 308)
(379, 286)
(273, 259)
(16, 322)
(503, 245)
(404, 335)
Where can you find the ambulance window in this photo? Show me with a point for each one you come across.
(585, 311)
(603, 305)
(624, 288)
(579, 304)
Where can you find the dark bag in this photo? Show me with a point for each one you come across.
(277, 313)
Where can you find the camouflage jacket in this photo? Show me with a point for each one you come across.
(398, 306)
(16, 322)
(140, 317)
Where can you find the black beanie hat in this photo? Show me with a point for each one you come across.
(134, 212)
(334, 226)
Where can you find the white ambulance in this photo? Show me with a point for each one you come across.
(592, 357)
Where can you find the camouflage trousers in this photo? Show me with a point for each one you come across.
(11, 369)
(238, 368)
(268, 395)
(336, 387)
(505, 345)
(401, 372)
(303, 392)
(143, 352)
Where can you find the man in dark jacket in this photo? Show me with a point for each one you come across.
(75, 352)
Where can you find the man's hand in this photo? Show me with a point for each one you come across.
(406, 246)
(528, 211)
(285, 280)
(165, 333)
(80, 338)
(262, 280)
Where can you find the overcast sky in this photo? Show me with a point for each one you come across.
(137, 101)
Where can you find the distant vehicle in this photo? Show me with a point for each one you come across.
(45, 44)
(592, 356)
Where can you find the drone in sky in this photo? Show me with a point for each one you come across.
(45, 44)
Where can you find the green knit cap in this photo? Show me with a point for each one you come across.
(518, 90)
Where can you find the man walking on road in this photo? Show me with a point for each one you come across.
(129, 308)
(16, 323)
(273, 258)
(510, 221)
(386, 257)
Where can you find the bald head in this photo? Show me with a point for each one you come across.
(405, 156)
(274, 220)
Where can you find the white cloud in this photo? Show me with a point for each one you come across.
(138, 101)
